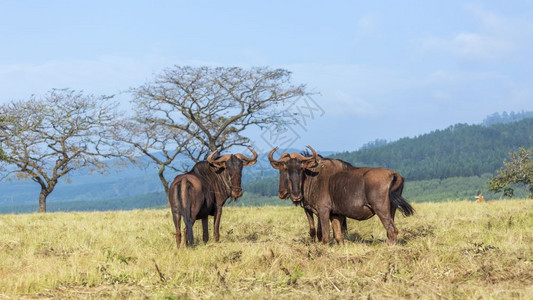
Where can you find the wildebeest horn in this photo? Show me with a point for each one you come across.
(271, 155)
(307, 161)
(210, 157)
(219, 162)
(248, 161)
(276, 164)
(315, 156)
(311, 162)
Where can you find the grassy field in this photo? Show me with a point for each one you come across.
(453, 250)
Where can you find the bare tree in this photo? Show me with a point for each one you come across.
(48, 137)
(159, 143)
(214, 106)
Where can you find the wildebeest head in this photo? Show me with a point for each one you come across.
(232, 165)
(292, 167)
(283, 188)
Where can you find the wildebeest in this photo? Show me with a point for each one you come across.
(284, 193)
(203, 191)
(335, 189)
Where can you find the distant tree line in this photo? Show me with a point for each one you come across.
(458, 151)
(505, 117)
(264, 187)
(467, 151)
(375, 143)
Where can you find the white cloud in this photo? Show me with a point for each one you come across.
(474, 46)
(102, 75)
(344, 103)
(366, 26)
(496, 37)
(491, 22)
(350, 89)
(458, 78)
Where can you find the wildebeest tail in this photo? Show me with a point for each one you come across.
(185, 202)
(396, 198)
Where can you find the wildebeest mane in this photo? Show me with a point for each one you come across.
(344, 164)
(217, 179)
(308, 153)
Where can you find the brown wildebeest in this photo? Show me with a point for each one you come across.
(203, 191)
(335, 189)
(284, 193)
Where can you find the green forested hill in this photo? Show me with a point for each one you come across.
(458, 151)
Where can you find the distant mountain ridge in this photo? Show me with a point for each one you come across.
(460, 150)
(457, 151)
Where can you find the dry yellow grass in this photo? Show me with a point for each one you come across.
(454, 250)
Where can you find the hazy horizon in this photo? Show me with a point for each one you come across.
(378, 70)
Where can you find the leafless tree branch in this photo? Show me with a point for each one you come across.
(214, 106)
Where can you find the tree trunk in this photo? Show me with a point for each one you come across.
(45, 191)
(164, 182)
(42, 201)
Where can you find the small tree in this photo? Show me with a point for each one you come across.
(48, 137)
(519, 170)
(214, 106)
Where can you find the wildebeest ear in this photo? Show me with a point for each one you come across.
(277, 165)
(247, 161)
(218, 165)
(220, 162)
(309, 164)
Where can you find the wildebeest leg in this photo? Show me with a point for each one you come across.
(323, 217)
(319, 229)
(387, 220)
(310, 219)
(188, 232)
(176, 217)
(175, 211)
(218, 214)
(185, 241)
(205, 227)
(336, 222)
(345, 225)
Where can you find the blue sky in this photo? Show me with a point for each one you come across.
(383, 69)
